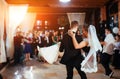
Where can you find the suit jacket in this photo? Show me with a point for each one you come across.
(71, 55)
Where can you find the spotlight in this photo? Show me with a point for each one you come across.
(64, 1)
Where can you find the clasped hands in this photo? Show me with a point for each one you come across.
(71, 33)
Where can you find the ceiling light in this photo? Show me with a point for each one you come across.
(64, 0)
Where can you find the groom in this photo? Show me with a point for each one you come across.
(72, 57)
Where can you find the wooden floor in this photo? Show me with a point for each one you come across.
(39, 70)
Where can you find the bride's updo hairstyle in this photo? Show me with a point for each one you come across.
(85, 30)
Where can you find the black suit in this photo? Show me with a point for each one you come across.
(72, 57)
(17, 49)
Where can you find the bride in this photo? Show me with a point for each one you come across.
(89, 64)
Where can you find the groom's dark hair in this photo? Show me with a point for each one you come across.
(73, 24)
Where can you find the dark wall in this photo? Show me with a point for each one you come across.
(52, 19)
(92, 17)
(111, 8)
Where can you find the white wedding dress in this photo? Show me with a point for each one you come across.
(50, 54)
(89, 64)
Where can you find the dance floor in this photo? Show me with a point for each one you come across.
(39, 70)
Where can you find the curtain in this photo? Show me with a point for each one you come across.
(80, 17)
(28, 22)
(3, 5)
(15, 16)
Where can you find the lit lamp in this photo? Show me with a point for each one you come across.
(38, 22)
(61, 28)
(64, 0)
(46, 23)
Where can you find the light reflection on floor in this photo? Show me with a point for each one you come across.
(27, 73)
(38, 70)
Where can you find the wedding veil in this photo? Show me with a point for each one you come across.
(89, 64)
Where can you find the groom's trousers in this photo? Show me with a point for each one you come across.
(70, 72)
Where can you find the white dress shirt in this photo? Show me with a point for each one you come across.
(109, 46)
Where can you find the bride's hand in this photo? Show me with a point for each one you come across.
(70, 33)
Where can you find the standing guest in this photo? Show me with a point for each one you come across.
(116, 55)
(78, 32)
(61, 36)
(40, 38)
(55, 37)
(28, 48)
(46, 39)
(50, 38)
(72, 57)
(17, 47)
(108, 45)
(35, 43)
(31, 38)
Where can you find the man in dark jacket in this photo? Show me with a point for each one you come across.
(17, 47)
(72, 57)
